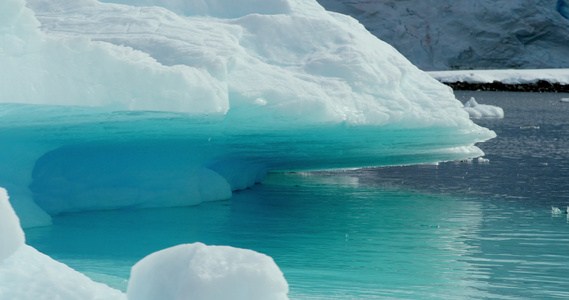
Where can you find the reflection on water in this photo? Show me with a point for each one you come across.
(446, 231)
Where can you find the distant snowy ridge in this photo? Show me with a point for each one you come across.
(463, 34)
(537, 80)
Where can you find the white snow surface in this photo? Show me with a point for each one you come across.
(464, 34)
(506, 76)
(171, 103)
(301, 60)
(479, 111)
(200, 272)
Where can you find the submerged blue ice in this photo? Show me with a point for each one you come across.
(107, 106)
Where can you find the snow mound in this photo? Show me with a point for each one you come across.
(479, 111)
(200, 272)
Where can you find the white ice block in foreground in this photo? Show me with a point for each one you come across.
(200, 272)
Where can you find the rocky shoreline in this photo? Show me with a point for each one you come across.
(540, 86)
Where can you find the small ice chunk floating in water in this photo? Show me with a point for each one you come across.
(479, 111)
(557, 211)
(564, 100)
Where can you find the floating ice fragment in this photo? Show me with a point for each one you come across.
(479, 111)
(564, 100)
(557, 211)
(482, 160)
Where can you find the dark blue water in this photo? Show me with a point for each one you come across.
(456, 230)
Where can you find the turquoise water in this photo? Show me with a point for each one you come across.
(447, 231)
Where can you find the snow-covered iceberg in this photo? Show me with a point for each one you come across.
(167, 103)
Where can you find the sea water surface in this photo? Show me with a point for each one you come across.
(456, 230)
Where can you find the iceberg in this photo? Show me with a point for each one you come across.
(172, 103)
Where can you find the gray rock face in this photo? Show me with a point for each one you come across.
(464, 34)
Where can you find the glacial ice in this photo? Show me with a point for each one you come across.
(106, 105)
